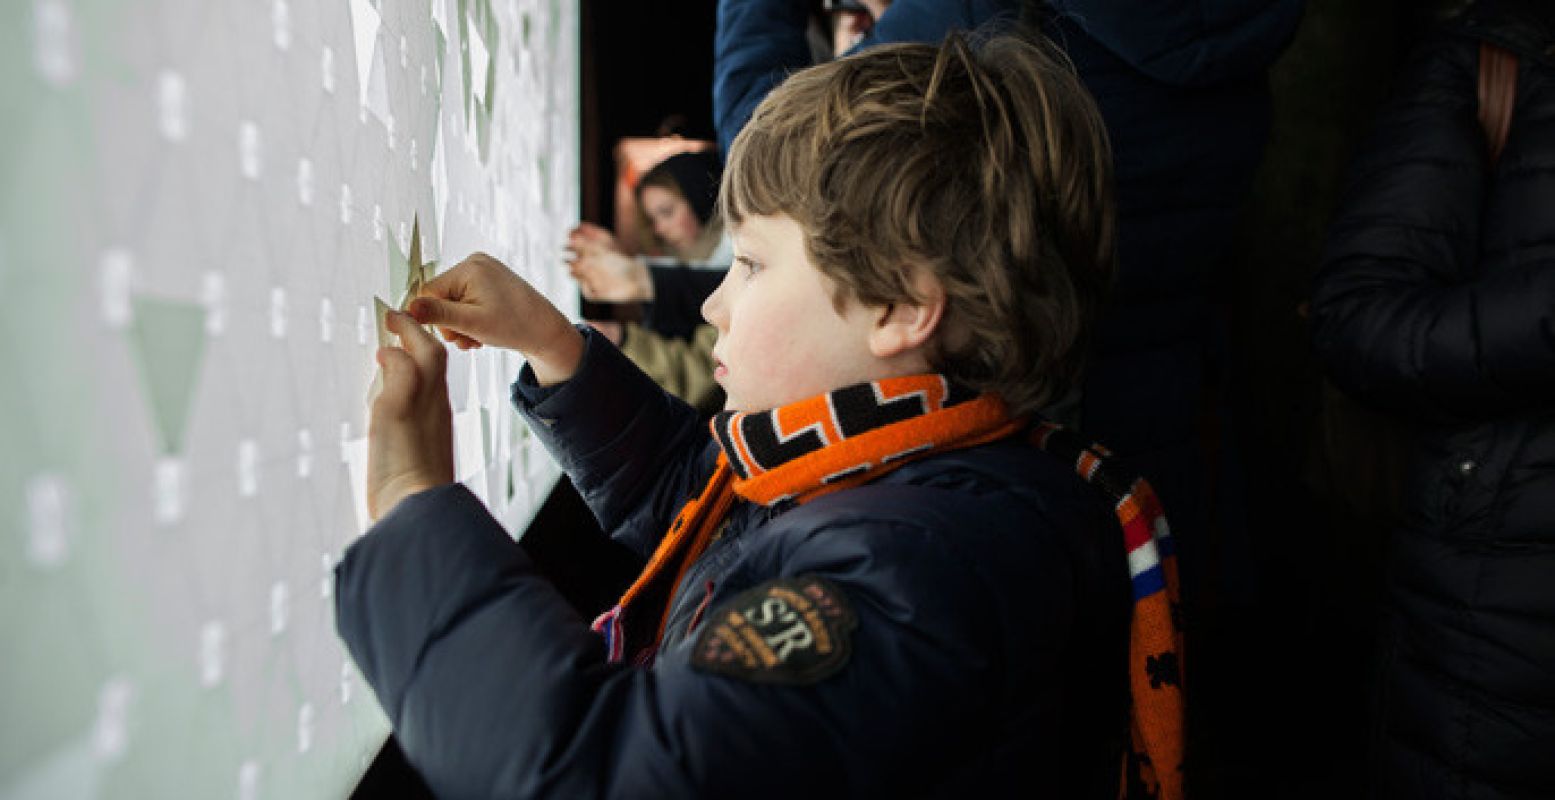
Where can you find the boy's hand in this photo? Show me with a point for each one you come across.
(410, 432)
(603, 270)
(481, 301)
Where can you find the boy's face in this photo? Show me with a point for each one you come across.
(780, 339)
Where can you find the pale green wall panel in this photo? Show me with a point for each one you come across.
(199, 200)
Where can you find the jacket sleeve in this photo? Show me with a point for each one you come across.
(1402, 318)
(759, 42)
(1189, 42)
(496, 688)
(756, 45)
(678, 294)
(635, 452)
(929, 20)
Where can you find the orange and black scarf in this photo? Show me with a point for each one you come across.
(856, 434)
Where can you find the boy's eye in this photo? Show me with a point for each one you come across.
(751, 266)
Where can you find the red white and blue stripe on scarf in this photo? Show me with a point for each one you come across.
(1153, 767)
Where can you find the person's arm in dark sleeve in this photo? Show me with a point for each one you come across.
(496, 688)
(757, 44)
(1189, 42)
(635, 452)
(928, 21)
(1400, 317)
(678, 294)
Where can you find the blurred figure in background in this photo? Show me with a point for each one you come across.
(1436, 304)
(676, 200)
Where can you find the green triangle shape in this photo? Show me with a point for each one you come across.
(442, 55)
(399, 269)
(483, 130)
(169, 339)
(464, 58)
(413, 265)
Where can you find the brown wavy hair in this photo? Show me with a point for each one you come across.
(988, 166)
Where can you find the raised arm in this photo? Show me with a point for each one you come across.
(635, 452)
(612, 429)
(929, 20)
(758, 42)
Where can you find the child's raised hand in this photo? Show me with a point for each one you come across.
(589, 234)
(611, 276)
(603, 270)
(410, 432)
(481, 301)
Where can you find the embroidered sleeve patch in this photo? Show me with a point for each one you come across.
(792, 631)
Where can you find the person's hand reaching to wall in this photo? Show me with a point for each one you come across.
(410, 444)
(479, 302)
(603, 270)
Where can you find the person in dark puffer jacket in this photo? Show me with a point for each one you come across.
(1437, 303)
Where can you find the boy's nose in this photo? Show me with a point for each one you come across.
(714, 308)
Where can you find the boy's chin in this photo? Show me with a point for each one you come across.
(737, 404)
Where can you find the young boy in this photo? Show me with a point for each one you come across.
(868, 582)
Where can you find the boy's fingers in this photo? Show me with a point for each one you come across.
(399, 382)
(456, 338)
(443, 313)
(449, 285)
(428, 354)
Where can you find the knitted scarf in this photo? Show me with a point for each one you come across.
(1152, 767)
(856, 434)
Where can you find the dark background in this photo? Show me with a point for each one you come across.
(642, 63)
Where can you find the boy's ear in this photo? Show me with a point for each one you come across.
(906, 326)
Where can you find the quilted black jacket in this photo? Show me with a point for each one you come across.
(1437, 302)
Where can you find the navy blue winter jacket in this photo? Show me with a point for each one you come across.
(989, 588)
